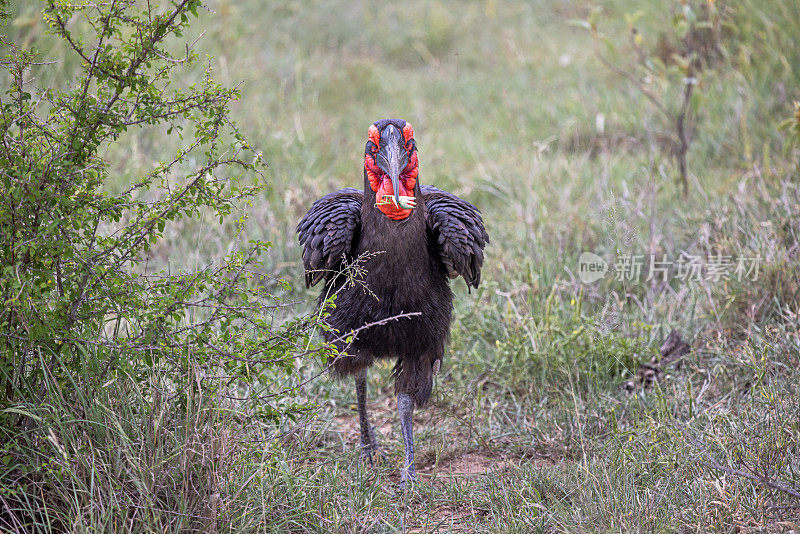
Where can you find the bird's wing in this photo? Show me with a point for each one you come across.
(457, 228)
(327, 232)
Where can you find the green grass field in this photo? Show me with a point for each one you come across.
(528, 428)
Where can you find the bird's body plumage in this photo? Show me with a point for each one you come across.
(407, 256)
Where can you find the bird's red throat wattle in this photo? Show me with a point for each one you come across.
(380, 182)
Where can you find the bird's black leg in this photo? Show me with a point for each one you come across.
(405, 408)
(369, 445)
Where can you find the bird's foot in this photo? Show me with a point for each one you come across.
(408, 479)
(372, 453)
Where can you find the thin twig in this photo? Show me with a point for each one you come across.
(714, 464)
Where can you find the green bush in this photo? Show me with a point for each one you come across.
(89, 329)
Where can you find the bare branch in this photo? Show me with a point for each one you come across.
(711, 462)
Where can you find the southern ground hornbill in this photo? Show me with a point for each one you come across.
(411, 238)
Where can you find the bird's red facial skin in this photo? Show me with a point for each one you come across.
(408, 132)
(375, 136)
(380, 183)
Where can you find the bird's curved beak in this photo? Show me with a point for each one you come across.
(392, 158)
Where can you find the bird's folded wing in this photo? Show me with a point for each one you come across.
(457, 228)
(327, 232)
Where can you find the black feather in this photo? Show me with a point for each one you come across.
(327, 233)
(457, 226)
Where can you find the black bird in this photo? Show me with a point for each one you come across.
(411, 239)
